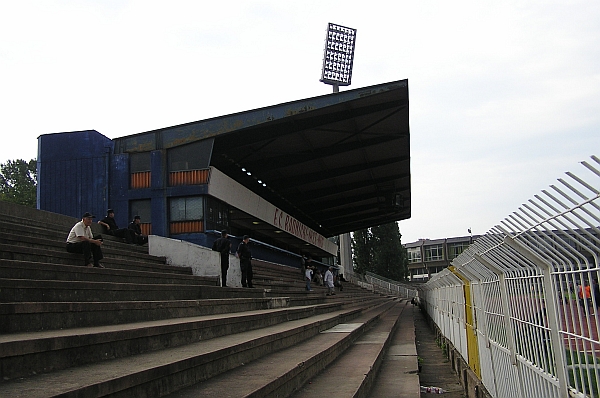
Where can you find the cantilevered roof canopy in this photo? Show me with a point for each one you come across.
(337, 163)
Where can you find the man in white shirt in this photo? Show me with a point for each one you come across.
(329, 282)
(308, 277)
(81, 240)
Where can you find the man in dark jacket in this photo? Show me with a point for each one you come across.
(243, 252)
(111, 228)
(137, 230)
(223, 246)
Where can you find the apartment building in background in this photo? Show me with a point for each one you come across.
(427, 257)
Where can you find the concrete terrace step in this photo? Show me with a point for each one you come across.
(165, 371)
(347, 299)
(23, 354)
(280, 374)
(12, 269)
(44, 255)
(24, 226)
(48, 223)
(108, 248)
(360, 363)
(398, 375)
(24, 290)
(38, 316)
(29, 232)
(282, 286)
(142, 328)
(292, 293)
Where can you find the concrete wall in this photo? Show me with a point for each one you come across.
(202, 260)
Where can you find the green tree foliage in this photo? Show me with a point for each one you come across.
(388, 252)
(379, 250)
(18, 182)
(362, 253)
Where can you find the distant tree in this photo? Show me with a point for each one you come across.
(379, 250)
(389, 256)
(18, 182)
(361, 249)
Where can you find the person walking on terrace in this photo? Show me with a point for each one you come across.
(137, 231)
(308, 276)
(243, 252)
(329, 282)
(223, 246)
(81, 240)
(111, 228)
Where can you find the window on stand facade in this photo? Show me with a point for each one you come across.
(217, 215)
(186, 215)
(188, 164)
(434, 253)
(139, 170)
(143, 209)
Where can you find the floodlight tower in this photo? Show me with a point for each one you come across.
(338, 56)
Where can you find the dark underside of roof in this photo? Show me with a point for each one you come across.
(335, 166)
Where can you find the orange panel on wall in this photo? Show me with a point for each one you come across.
(140, 180)
(189, 177)
(146, 229)
(182, 227)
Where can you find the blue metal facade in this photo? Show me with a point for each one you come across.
(73, 172)
(79, 172)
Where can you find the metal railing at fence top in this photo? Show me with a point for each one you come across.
(521, 305)
(383, 285)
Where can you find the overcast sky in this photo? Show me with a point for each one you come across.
(504, 95)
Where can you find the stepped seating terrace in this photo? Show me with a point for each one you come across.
(142, 328)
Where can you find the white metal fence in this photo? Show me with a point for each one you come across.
(521, 304)
(388, 286)
(376, 283)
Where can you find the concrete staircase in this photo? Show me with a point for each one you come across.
(141, 328)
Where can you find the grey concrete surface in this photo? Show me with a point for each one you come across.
(436, 369)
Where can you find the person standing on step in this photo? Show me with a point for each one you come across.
(308, 276)
(223, 246)
(81, 240)
(243, 252)
(137, 231)
(329, 281)
(111, 228)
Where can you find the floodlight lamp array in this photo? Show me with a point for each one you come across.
(339, 55)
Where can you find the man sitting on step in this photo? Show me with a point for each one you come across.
(81, 240)
(137, 231)
(111, 227)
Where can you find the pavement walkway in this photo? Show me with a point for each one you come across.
(436, 368)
